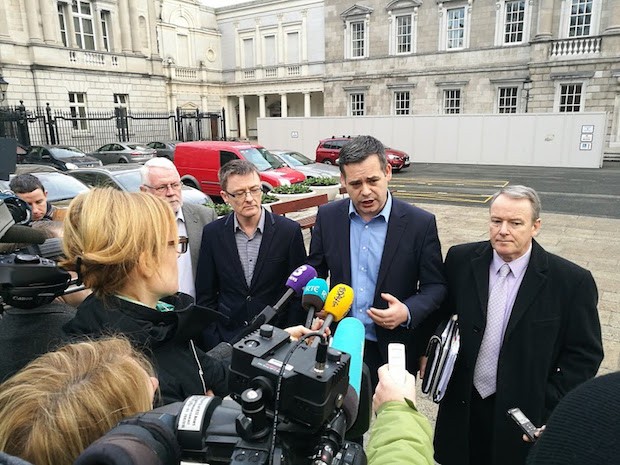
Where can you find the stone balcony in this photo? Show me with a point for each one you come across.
(575, 47)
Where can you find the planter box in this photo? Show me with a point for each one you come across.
(268, 205)
(331, 191)
(287, 197)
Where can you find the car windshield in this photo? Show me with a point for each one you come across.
(60, 186)
(130, 180)
(273, 161)
(66, 152)
(256, 158)
(296, 159)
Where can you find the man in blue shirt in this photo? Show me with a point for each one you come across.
(387, 250)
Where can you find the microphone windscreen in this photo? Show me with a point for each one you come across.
(315, 294)
(300, 277)
(339, 301)
(23, 235)
(349, 337)
(350, 406)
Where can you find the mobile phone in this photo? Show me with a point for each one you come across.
(397, 362)
(524, 423)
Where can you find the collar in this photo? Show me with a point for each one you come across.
(261, 221)
(385, 212)
(517, 266)
(180, 216)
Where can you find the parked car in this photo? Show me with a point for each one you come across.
(300, 162)
(199, 162)
(328, 152)
(126, 177)
(60, 188)
(279, 166)
(62, 157)
(123, 152)
(164, 149)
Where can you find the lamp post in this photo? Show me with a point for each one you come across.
(527, 86)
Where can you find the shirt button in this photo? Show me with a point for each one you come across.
(249, 298)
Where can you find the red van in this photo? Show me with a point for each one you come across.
(199, 162)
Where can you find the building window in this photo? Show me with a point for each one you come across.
(451, 101)
(248, 53)
(105, 29)
(402, 102)
(292, 48)
(507, 99)
(83, 24)
(456, 28)
(570, 97)
(269, 50)
(357, 104)
(404, 34)
(514, 21)
(121, 100)
(77, 108)
(580, 18)
(63, 24)
(358, 39)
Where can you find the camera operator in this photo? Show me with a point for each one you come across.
(30, 189)
(61, 402)
(400, 434)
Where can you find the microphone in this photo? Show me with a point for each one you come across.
(349, 337)
(314, 297)
(22, 234)
(337, 304)
(295, 283)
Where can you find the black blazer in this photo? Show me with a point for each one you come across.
(552, 344)
(220, 282)
(411, 266)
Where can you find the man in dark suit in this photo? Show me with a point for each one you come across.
(529, 334)
(161, 178)
(387, 250)
(246, 257)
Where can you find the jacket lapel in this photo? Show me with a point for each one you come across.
(230, 244)
(480, 267)
(194, 234)
(395, 231)
(344, 243)
(533, 281)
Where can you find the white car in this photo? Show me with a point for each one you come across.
(300, 162)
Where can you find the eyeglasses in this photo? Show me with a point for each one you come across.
(164, 187)
(254, 192)
(181, 245)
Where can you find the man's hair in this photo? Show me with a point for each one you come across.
(521, 192)
(235, 167)
(61, 402)
(109, 246)
(157, 162)
(359, 149)
(25, 183)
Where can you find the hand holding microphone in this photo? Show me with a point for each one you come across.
(313, 298)
(337, 304)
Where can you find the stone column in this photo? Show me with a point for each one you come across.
(4, 25)
(307, 108)
(614, 18)
(123, 16)
(261, 106)
(98, 28)
(204, 103)
(283, 106)
(49, 19)
(545, 21)
(243, 134)
(136, 43)
(304, 37)
(32, 15)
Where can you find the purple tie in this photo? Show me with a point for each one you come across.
(485, 373)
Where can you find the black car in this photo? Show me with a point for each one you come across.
(62, 157)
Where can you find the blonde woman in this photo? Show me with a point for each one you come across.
(61, 402)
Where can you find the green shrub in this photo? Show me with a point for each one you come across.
(269, 198)
(221, 209)
(322, 181)
(299, 188)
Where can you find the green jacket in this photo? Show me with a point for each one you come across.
(400, 435)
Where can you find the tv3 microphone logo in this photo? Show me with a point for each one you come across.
(298, 272)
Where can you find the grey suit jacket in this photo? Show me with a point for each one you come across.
(196, 217)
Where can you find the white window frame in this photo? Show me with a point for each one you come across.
(557, 106)
(82, 18)
(243, 36)
(445, 97)
(121, 100)
(395, 10)
(565, 17)
(299, 45)
(357, 104)
(106, 30)
(264, 35)
(356, 14)
(400, 111)
(78, 107)
(62, 24)
(444, 9)
(517, 98)
(500, 23)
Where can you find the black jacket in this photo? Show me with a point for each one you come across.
(166, 338)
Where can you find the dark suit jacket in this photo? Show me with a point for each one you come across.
(552, 344)
(220, 282)
(411, 266)
(196, 217)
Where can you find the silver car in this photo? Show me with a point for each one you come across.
(123, 152)
(164, 148)
(300, 162)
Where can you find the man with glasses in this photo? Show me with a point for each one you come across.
(161, 178)
(246, 257)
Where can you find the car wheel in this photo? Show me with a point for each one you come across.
(327, 161)
(122, 160)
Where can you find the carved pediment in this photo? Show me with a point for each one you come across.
(356, 10)
(403, 4)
